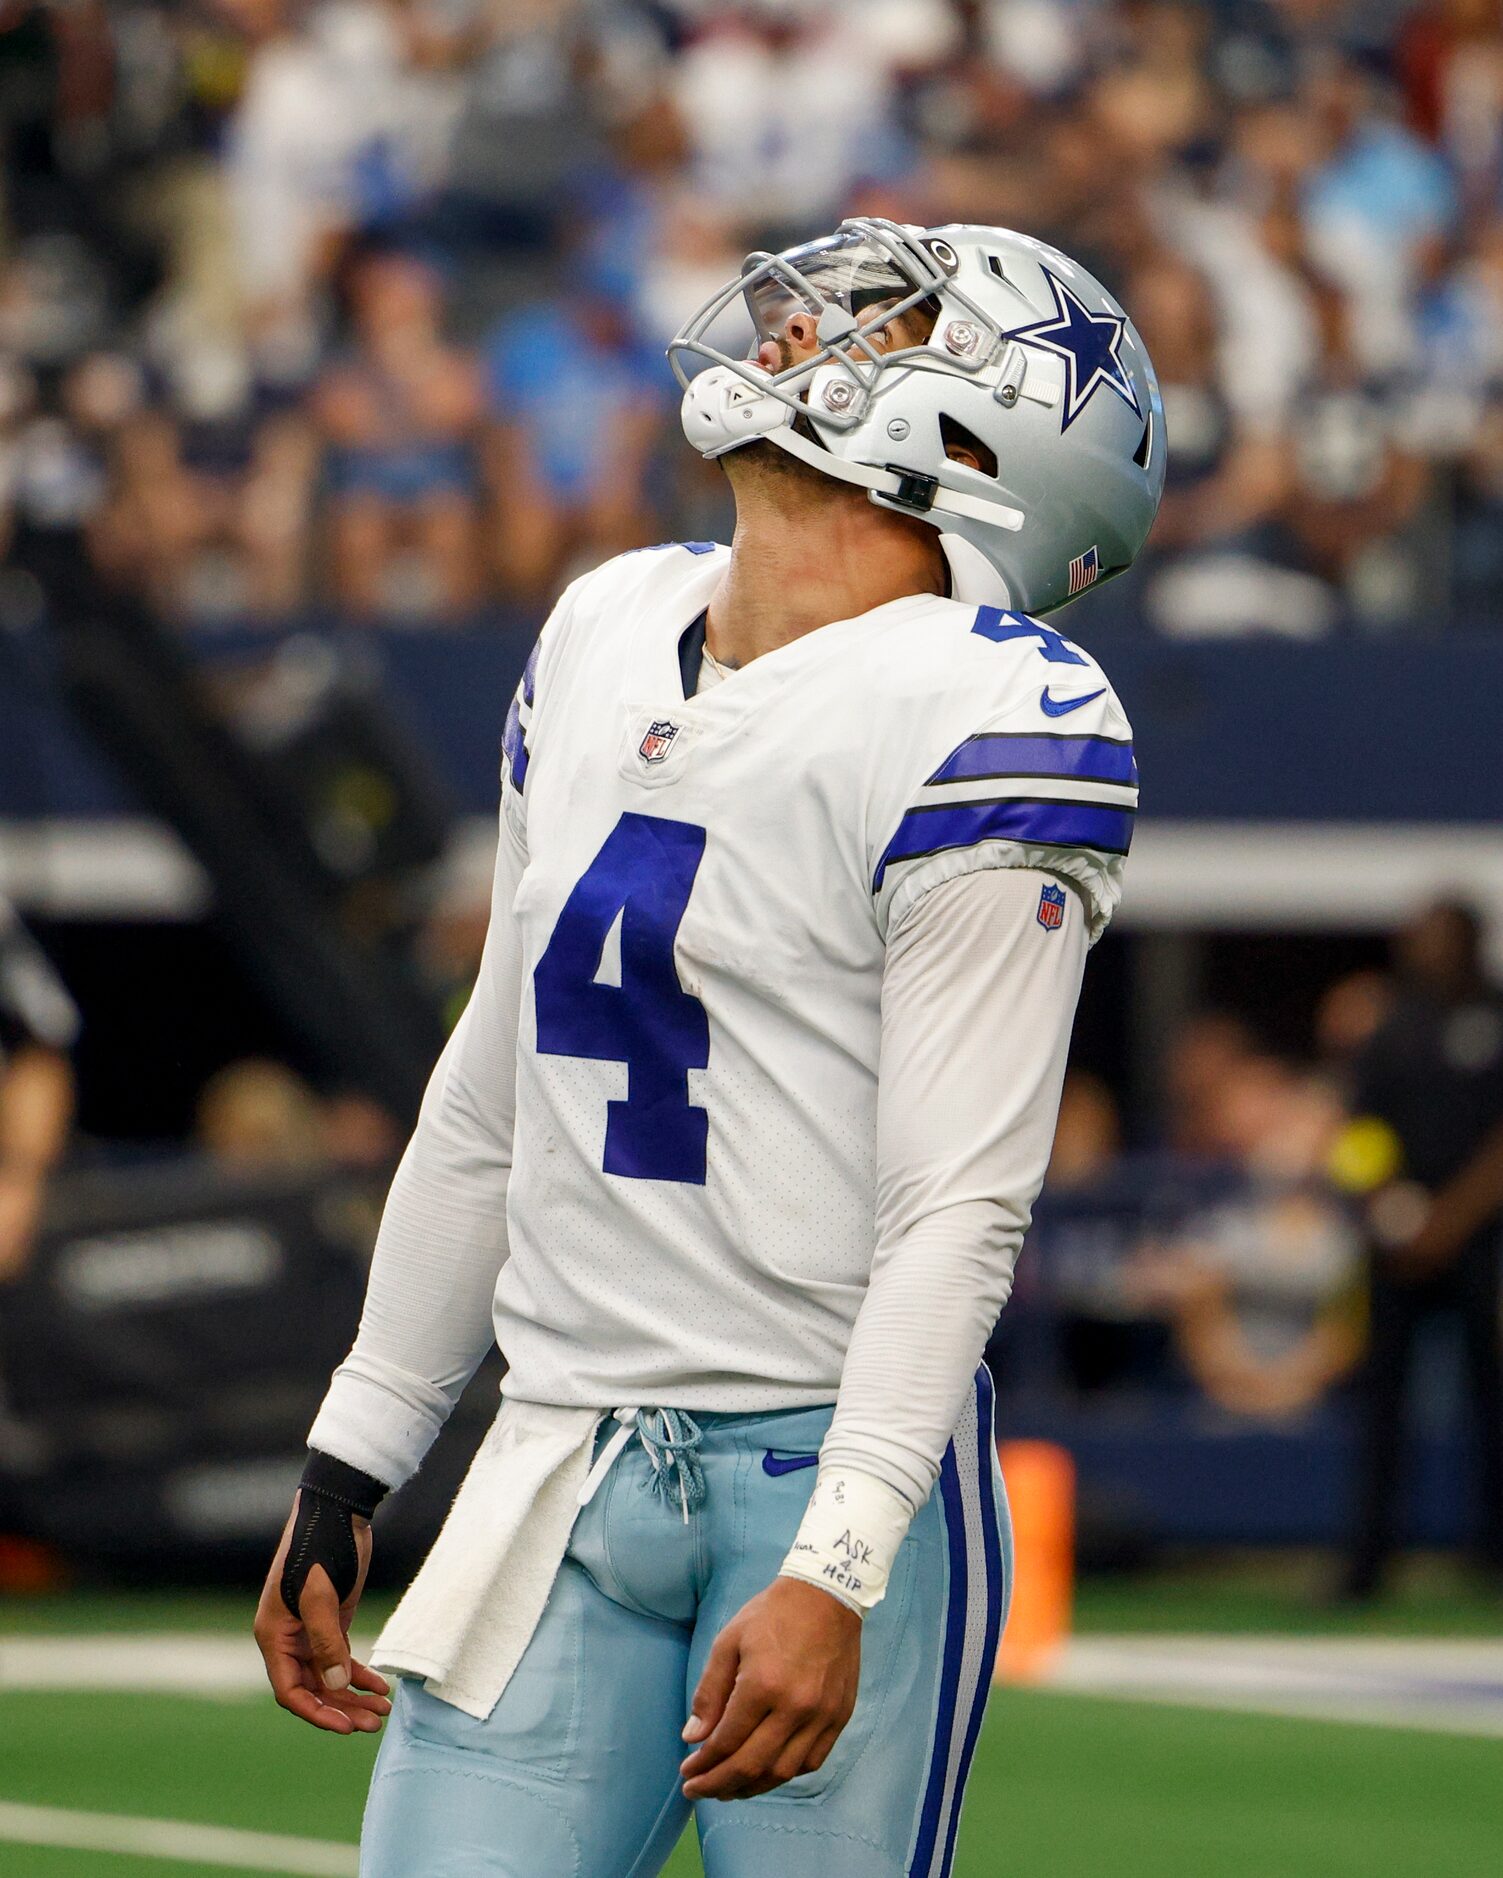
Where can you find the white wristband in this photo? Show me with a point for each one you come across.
(849, 1537)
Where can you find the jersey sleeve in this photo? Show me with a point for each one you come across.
(516, 745)
(523, 726)
(1024, 763)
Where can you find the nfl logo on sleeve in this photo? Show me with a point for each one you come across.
(655, 745)
(1052, 908)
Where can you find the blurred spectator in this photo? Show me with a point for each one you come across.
(208, 510)
(578, 401)
(1355, 485)
(1261, 1288)
(38, 1027)
(1372, 205)
(1228, 474)
(1201, 1066)
(1224, 478)
(788, 104)
(256, 1116)
(1088, 1134)
(1450, 56)
(359, 1134)
(343, 124)
(549, 78)
(1427, 1092)
(398, 412)
(1349, 1013)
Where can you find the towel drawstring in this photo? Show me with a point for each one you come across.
(670, 1439)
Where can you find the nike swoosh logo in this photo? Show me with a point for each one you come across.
(1060, 707)
(776, 1464)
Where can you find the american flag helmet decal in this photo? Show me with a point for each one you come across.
(1085, 570)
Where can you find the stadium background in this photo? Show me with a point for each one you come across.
(330, 345)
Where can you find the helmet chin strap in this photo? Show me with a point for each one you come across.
(902, 489)
(973, 579)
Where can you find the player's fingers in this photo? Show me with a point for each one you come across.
(750, 1704)
(283, 1652)
(363, 1678)
(364, 1712)
(353, 1701)
(715, 1686)
(363, 1720)
(319, 1609)
(819, 1751)
(795, 1757)
(747, 1768)
(292, 1684)
(311, 1707)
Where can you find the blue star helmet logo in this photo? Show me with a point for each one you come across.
(1090, 345)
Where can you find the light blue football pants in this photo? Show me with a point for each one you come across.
(575, 1772)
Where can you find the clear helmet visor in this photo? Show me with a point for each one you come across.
(846, 270)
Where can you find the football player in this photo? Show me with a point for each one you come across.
(803, 842)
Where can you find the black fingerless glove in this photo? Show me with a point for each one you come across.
(330, 1496)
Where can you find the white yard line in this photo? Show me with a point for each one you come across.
(169, 1838)
(1446, 1687)
(208, 1664)
(177, 1663)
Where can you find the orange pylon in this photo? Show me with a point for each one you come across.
(1040, 1478)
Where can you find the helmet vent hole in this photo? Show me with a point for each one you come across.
(960, 442)
(1144, 450)
(994, 262)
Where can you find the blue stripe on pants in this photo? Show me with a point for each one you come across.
(976, 1590)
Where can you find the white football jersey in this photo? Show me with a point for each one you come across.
(708, 886)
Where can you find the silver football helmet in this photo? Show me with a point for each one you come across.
(1002, 343)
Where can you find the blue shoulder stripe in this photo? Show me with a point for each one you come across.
(1052, 824)
(1039, 753)
(514, 744)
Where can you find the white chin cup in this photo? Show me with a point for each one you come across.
(722, 410)
(973, 579)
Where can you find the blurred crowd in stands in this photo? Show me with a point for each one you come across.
(358, 306)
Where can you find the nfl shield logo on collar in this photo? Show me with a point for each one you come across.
(655, 745)
(1052, 908)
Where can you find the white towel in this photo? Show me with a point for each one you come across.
(471, 1611)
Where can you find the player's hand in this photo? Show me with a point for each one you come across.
(308, 1661)
(778, 1688)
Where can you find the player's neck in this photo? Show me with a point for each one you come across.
(796, 565)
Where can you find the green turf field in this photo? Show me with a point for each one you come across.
(1064, 1784)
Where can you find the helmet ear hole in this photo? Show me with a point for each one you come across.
(960, 442)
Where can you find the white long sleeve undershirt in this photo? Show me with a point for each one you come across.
(978, 1001)
(977, 1005)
